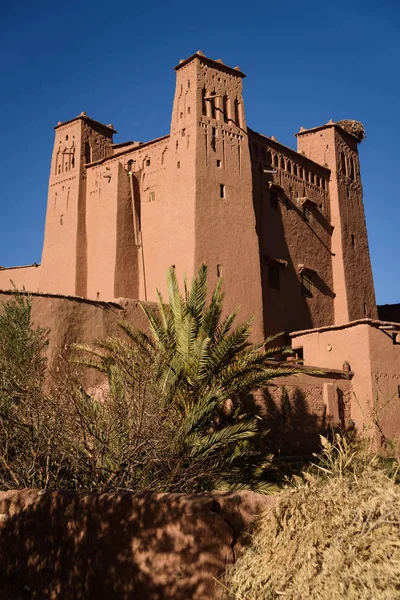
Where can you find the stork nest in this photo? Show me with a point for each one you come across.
(355, 128)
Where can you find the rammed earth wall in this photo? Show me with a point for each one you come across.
(71, 546)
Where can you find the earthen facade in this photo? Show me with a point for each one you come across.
(284, 228)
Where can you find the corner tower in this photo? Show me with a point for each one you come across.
(335, 145)
(64, 262)
(209, 127)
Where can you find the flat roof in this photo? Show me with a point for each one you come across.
(84, 117)
(366, 321)
(217, 64)
(303, 131)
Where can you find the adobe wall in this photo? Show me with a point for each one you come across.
(385, 373)
(290, 231)
(93, 546)
(225, 226)
(375, 361)
(352, 273)
(20, 277)
(389, 312)
(72, 319)
(299, 408)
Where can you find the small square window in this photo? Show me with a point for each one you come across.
(274, 277)
(306, 285)
(274, 199)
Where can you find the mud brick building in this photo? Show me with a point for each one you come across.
(284, 228)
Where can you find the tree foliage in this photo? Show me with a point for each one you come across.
(190, 379)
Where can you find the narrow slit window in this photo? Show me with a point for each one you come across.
(225, 108)
(274, 277)
(222, 192)
(212, 101)
(236, 110)
(203, 102)
(274, 199)
(306, 285)
(219, 271)
(353, 240)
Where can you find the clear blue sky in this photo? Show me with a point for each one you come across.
(306, 62)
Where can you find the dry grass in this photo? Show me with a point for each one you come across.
(334, 535)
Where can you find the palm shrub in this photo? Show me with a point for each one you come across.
(180, 395)
(27, 434)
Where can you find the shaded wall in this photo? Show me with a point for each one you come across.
(389, 312)
(93, 546)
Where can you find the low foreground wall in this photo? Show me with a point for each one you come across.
(69, 545)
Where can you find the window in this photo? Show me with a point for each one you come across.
(352, 169)
(295, 169)
(236, 111)
(88, 153)
(301, 172)
(203, 101)
(273, 277)
(269, 157)
(353, 240)
(221, 190)
(225, 108)
(148, 162)
(342, 164)
(218, 163)
(212, 101)
(152, 196)
(282, 163)
(276, 160)
(306, 285)
(289, 166)
(312, 178)
(323, 183)
(274, 199)
(219, 271)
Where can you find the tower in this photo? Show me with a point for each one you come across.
(336, 147)
(64, 262)
(209, 137)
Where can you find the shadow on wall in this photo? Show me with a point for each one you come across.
(284, 234)
(296, 419)
(84, 546)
